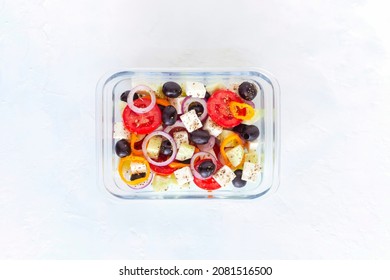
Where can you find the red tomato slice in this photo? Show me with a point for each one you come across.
(162, 170)
(207, 184)
(218, 108)
(142, 123)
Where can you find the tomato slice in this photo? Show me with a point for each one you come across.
(162, 170)
(207, 184)
(142, 123)
(218, 108)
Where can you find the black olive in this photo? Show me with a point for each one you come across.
(200, 137)
(197, 107)
(238, 182)
(166, 148)
(136, 176)
(126, 94)
(247, 90)
(169, 115)
(122, 148)
(171, 89)
(250, 133)
(206, 168)
(247, 132)
(207, 96)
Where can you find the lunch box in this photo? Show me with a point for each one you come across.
(108, 111)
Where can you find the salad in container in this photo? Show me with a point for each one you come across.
(188, 133)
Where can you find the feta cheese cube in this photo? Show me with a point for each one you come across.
(213, 87)
(253, 145)
(234, 87)
(212, 127)
(250, 171)
(195, 89)
(183, 175)
(136, 168)
(120, 132)
(153, 147)
(235, 155)
(224, 176)
(180, 137)
(191, 121)
(185, 152)
(252, 157)
(177, 102)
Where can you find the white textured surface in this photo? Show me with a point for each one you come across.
(332, 61)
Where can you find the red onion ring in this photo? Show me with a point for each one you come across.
(143, 184)
(250, 103)
(177, 124)
(187, 102)
(169, 138)
(139, 110)
(208, 146)
(205, 156)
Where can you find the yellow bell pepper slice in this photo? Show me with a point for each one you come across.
(241, 111)
(232, 140)
(124, 166)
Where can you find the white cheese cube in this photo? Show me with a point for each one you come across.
(120, 132)
(153, 147)
(213, 87)
(195, 89)
(252, 157)
(224, 176)
(250, 171)
(252, 145)
(185, 152)
(177, 102)
(212, 127)
(234, 87)
(183, 175)
(235, 155)
(191, 121)
(180, 137)
(136, 168)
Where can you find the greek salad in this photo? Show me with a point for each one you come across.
(188, 132)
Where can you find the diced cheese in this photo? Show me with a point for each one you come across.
(177, 102)
(235, 155)
(180, 137)
(252, 145)
(136, 168)
(183, 175)
(213, 87)
(224, 176)
(120, 132)
(191, 121)
(153, 147)
(185, 152)
(234, 87)
(250, 171)
(252, 157)
(195, 89)
(212, 127)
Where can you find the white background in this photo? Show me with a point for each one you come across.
(332, 61)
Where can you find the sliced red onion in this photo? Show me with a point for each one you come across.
(187, 102)
(204, 155)
(169, 138)
(250, 103)
(139, 110)
(177, 124)
(208, 146)
(143, 184)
